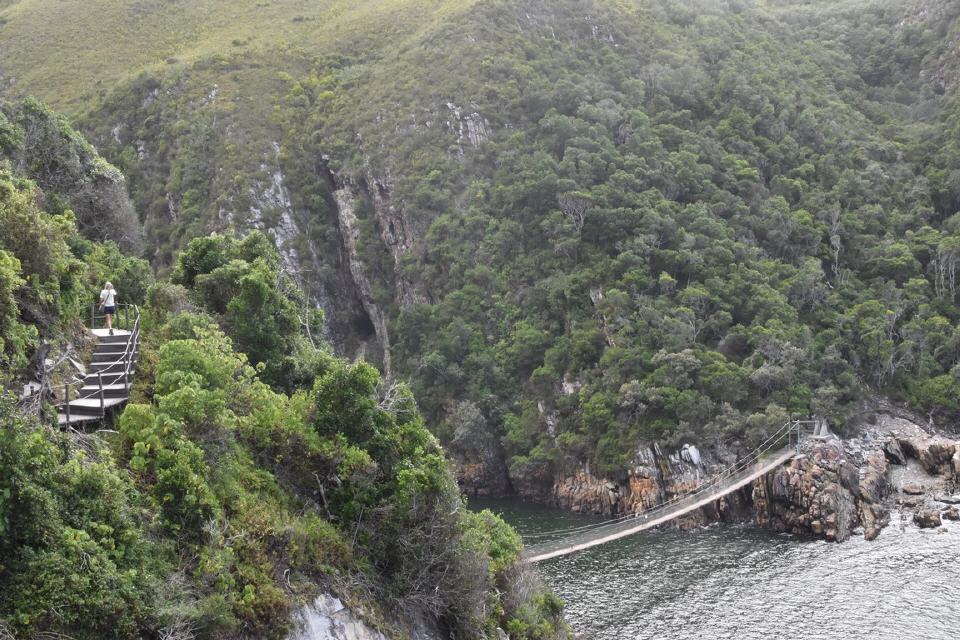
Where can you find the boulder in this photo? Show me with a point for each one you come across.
(952, 513)
(927, 518)
(936, 454)
(894, 453)
(912, 488)
(910, 501)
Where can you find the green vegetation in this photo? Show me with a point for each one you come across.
(633, 221)
(42, 146)
(218, 503)
(588, 223)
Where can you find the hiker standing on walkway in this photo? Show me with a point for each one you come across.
(108, 304)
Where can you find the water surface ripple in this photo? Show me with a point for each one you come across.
(742, 583)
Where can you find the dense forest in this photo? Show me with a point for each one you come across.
(577, 226)
(573, 227)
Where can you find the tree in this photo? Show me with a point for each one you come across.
(575, 206)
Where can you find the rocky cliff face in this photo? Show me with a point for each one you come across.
(398, 235)
(652, 479)
(825, 493)
(345, 198)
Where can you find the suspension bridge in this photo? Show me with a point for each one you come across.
(776, 450)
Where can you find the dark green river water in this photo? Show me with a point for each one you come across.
(744, 583)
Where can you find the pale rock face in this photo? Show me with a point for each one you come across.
(570, 387)
(328, 619)
(150, 99)
(472, 129)
(273, 194)
(349, 234)
(172, 209)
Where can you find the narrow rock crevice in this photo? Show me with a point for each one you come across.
(345, 201)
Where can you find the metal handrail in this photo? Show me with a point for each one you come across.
(126, 359)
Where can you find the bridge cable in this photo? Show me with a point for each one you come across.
(725, 473)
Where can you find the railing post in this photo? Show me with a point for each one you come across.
(93, 308)
(66, 399)
(127, 312)
(103, 411)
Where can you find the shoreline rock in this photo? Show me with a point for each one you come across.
(835, 489)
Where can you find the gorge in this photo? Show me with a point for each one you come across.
(577, 253)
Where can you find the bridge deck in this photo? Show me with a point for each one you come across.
(658, 516)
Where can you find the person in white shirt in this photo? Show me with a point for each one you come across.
(108, 304)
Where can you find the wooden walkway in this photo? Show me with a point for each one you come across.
(105, 386)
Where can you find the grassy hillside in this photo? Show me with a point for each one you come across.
(73, 53)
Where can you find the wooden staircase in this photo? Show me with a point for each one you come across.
(106, 385)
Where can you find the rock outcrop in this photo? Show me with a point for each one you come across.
(327, 618)
(927, 518)
(652, 479)
(349, 233)
(824, 494)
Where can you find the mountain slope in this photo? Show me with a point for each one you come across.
(575, 225)
(72, 53)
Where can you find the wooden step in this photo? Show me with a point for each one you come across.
(75, 419)
(113, 355)
(114, 390)
(110, 367)
(91, 406)
(112, 377)
(117, 338)
(110, 346)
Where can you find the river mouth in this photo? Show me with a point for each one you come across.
(740, 582)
